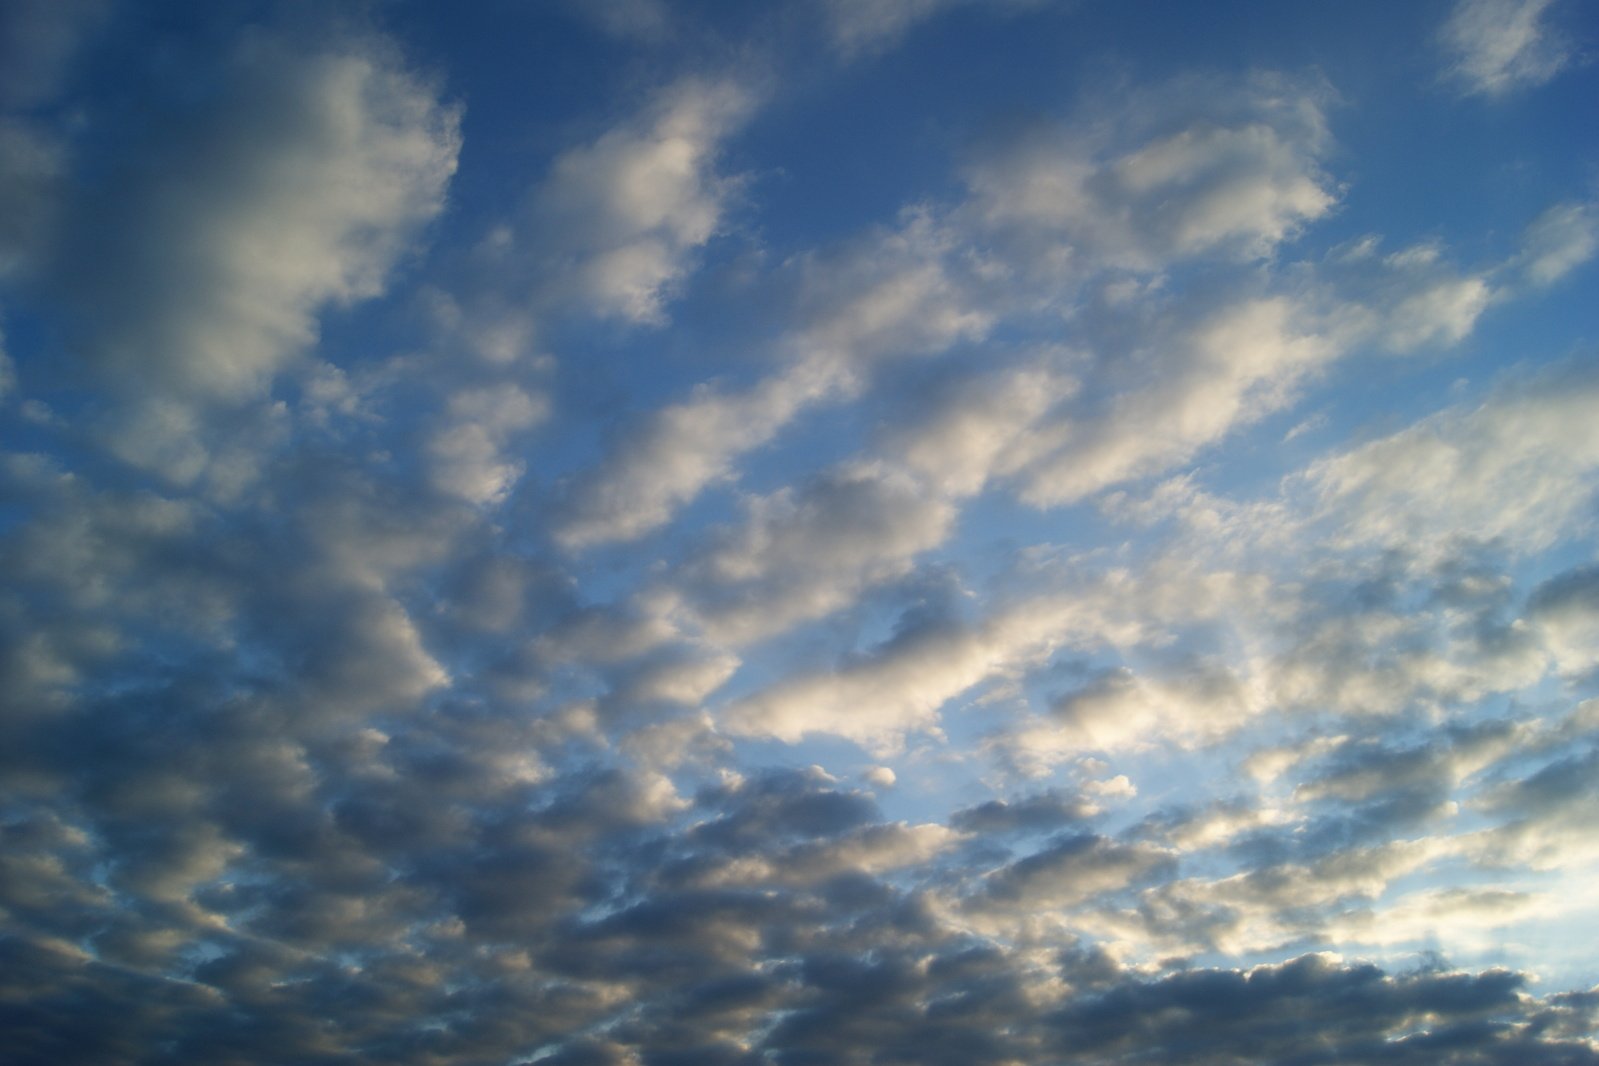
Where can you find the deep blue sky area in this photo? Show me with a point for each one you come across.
(661, 532)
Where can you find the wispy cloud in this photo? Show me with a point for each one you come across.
(1498, 46)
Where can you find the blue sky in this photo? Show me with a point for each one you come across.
(820, 531)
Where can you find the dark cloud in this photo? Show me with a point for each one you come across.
(1044, 812)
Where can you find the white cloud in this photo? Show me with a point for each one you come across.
(1518, 468)
(889, 295)
(1128, 190)
(624, 215)
(1124, 710)
(876, 701)
(1445, 313)
(880, 777)
(467, 451)
(905, 291)
(300, 186)
(981, 428)
(646, 20)
(801, 555)
(1499, 45)
(898, 688)
(679, 451)
(1234, 368)
(869, 25)
(1561, 239)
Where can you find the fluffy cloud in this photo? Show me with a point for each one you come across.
(624, 214)
(324, 738)
(1232, 369)
(467, 450)
(298, 185)
(802, 555)
(680, 450)
(899, 686)
(889, 295)
(1513, 469)
(1239, 180)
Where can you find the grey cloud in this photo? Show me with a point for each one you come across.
(1565, 609)
(1358, 1012)
(30, 177)
(780, 806)
(803, 554)
(198, 275)
(320, 162)
(339, 766)
(1042, 812)
(1073, 869)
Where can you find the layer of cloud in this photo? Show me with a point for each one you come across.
(325, 738)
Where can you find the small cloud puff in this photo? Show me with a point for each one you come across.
(1497, 46)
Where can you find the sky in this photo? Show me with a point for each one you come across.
(851, 532)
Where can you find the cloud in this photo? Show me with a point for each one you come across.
(323, 737)
(1442, 313)
(873, 25)
(296, 182)
(1159, 182)
(299, 186)
(980, 427)
(898, 687)
(888, 295)
(1231, 369)
(30, 173)
(1121, 710)
(1496, 46)
(466, 450)
(644, 20)
(1206, 1016)
(1565, 610)
(1559, 241)
(802, 555)
(623, 215)
(677, 452)
(1071, 870)
(1513, 469)
(1035, 813)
